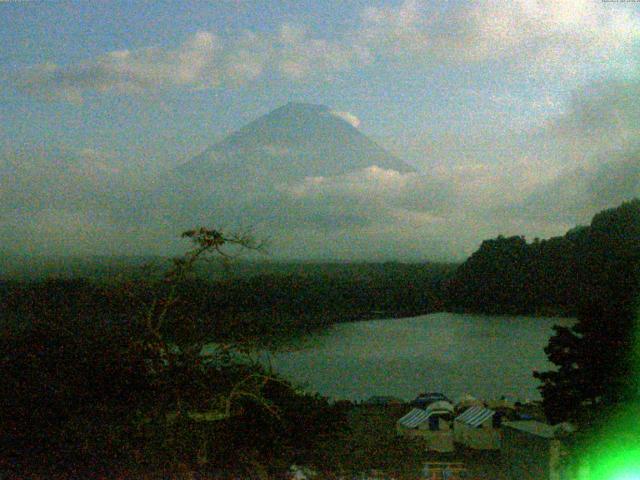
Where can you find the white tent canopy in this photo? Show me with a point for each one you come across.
(474, 416)
(414, 418)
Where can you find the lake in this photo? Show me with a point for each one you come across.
(485, 356)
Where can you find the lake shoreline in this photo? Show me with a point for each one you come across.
(442, 351)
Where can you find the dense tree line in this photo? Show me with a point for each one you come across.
(595, 384)
(508, 275)
(592, 273)
(261, 306)
(598, 358)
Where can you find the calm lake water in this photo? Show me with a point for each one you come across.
(485, 356)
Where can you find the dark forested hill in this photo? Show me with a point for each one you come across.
(509, 275)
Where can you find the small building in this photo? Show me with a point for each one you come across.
(532, 449)
(477, 428)
(433, 425)
(441, 407)
(414, 420)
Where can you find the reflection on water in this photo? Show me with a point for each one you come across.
(486, 356)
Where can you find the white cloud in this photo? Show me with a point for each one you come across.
(581, 160)
(126, 71)
(202, 61)
(347, 117)
(376, 188)
(300, 55)
(547, 35)
(597, 153)
(566, 37)
(372, 182)
(246, 58)
(405, 28)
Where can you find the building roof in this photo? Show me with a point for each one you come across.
(474, 416)
(417, 416)
(441, 406)
(414, 418)
(533, 427)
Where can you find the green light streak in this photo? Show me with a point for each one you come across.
(613, 453)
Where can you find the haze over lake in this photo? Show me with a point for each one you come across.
(485, 356)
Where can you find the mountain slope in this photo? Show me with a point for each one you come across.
(296, 140)
(244, 179)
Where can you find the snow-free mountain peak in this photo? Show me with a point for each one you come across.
(296, 140)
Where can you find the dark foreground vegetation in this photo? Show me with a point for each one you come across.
(107, 379)
(137, 395)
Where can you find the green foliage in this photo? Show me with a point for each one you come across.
(597, 359)
(511, 276)
(106, 376)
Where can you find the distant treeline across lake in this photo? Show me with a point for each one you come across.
(506, 275)
(267, 301)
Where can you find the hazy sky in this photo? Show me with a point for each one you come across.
(528, 110)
